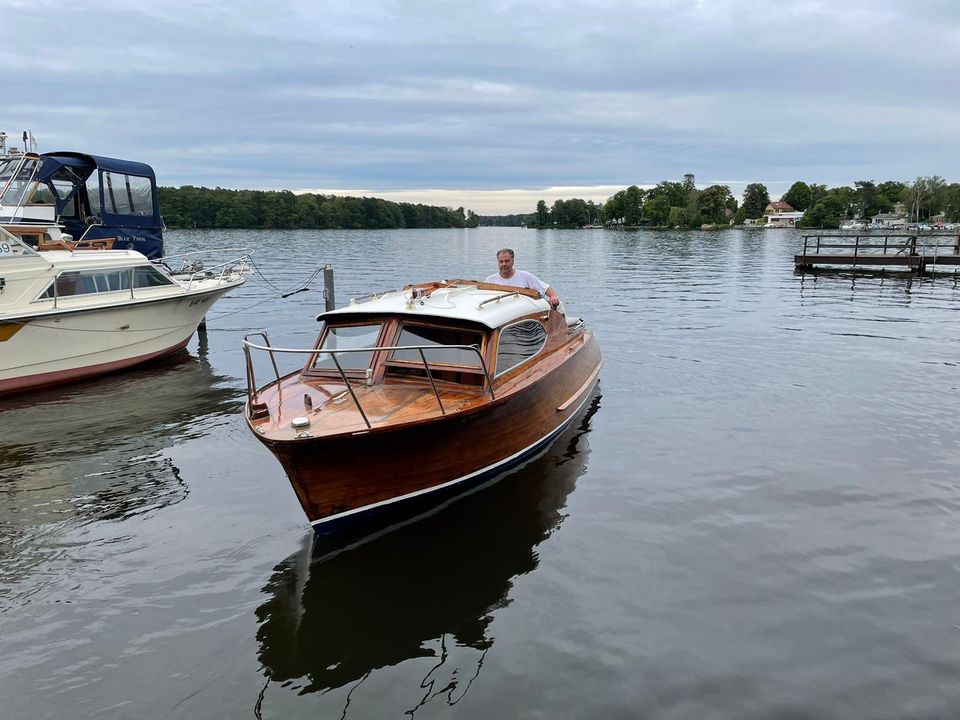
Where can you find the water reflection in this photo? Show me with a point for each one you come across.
(92, 452)
(429, 589)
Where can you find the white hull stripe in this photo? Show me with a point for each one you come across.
(489, 468)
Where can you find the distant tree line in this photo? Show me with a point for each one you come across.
(200, 207)
(683, 205)
(506, 220)
(922, 200)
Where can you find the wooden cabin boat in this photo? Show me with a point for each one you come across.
(70, 313)
(419, 394)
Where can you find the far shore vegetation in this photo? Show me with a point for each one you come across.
(683, 205)
(200, 207)
(669, 204)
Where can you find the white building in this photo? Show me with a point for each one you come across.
(887, 220)
(783, 219)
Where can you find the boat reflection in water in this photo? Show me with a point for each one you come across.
(93, 452)
(426, 589)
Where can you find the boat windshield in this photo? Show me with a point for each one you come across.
(17, 178)
(348, 337)
(419, 335)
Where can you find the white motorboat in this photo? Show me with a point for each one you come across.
(70, 314)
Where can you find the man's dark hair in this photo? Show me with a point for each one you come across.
(506, 250)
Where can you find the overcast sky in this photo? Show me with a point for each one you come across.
(491, 105)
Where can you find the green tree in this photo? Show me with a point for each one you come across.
(692, 209)
(866, 202)
(677, 217)
(713, 203)
(675, 193)
(578, 212)
(543, 214)
(891, 191)
(817, 192)
(951, 207)
(615, 207)
(925, 197)
(755, 199)
(827, 213)
(657, 210)
(308, 211)
(633, 205)
(798, 196)
(595, 212)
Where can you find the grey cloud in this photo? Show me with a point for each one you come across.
(511, 94)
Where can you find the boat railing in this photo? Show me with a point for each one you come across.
(188, 258)
(498, 298)
(259, 409)
(908, 244)
(192, 268)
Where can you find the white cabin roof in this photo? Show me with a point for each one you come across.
(94, 258)
(457, 302)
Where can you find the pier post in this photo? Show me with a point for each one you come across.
(329, 300)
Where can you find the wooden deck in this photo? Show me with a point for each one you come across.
(914, 252)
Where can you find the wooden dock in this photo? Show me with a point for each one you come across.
(915, 252)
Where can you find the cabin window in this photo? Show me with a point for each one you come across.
(436, 338)
(42, 195)
(64, 181)
(88, 282)
(20, 183)
(93, 193)
(518, 343)
(148, 276)
(127, 194)
(348, 337)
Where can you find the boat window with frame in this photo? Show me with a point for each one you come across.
(42, 195)
(93, 193)
(347, 337)
(19, 184)
(127, 194)
(518, 343)
(64, 182)
(89, 282)
(8, 168)
(145, 276)
(452, 364)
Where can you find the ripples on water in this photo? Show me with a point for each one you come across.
(758, 520)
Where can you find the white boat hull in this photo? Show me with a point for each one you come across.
(52, 348)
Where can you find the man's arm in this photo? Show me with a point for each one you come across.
(552, 296)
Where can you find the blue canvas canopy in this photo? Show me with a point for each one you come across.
(99, 197)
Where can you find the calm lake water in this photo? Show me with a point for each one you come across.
(759, 516)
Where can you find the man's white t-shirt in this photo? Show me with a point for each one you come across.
(520, 279)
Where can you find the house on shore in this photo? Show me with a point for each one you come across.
(887, 220)
(781, 215)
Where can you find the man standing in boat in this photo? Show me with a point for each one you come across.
(509, 275)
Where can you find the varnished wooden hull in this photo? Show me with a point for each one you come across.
(345, 479)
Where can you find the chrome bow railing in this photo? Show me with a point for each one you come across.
(258, 409)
